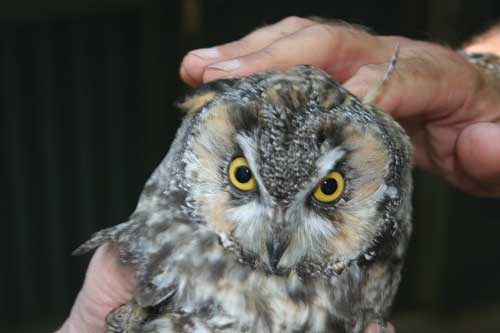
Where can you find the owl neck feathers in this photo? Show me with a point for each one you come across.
(382, 248)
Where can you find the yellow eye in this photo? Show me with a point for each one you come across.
(330, 188)
(240, 175)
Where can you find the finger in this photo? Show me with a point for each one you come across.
(369, 76)
(187, 78)
(338, 49)
(409, 95)
(478, 153)
(108, 282)
(377, 328)
(262, 37)
(194, 62)
(428, 80)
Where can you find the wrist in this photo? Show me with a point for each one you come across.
(488, 42)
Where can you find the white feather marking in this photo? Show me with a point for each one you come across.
(253, 223)
(249, 149)
(328, 161)
(164, 280)
(225, 241)
(325, 164)
(311, 231)
(392, 192)
(219, 321)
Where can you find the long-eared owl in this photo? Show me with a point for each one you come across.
(283, 205)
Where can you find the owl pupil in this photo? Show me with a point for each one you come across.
(243, 174)
(329, 186)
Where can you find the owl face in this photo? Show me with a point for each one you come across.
(292, 170)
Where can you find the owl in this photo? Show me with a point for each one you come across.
(283, 205)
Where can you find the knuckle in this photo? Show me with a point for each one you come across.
(263, 59)
(266, 54)
(295, 21)
(244, 44)
(329, 34)
(371, 72)
(336, 32)
(328, 31)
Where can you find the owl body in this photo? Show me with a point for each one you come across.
(283, 205)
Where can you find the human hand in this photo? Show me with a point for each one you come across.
(450, 108)
(108, 284)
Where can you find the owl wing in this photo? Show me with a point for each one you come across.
(147, 241)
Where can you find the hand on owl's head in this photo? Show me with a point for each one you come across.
(295, 171)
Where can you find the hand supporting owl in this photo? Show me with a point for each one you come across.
(449, 107)
(108, 284)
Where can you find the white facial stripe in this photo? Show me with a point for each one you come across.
(324, 164)
(328, 161)
(249, 149)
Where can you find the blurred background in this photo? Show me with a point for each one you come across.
(86, 112)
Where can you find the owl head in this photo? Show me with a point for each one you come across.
(295, 173)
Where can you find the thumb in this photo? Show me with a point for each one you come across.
(399, 87)
(478, 153)
(108, 282)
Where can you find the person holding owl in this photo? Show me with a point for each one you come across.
(448, 103)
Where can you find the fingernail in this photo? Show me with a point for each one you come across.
(226, 66)
(209, 53)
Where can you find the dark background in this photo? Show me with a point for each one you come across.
(86, 95)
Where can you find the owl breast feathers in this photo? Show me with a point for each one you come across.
(283, 205)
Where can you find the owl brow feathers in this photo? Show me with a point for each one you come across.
(329, 160)
(250, 151)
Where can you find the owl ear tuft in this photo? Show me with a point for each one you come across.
(198, 97)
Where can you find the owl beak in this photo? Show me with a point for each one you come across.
(275, 250)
